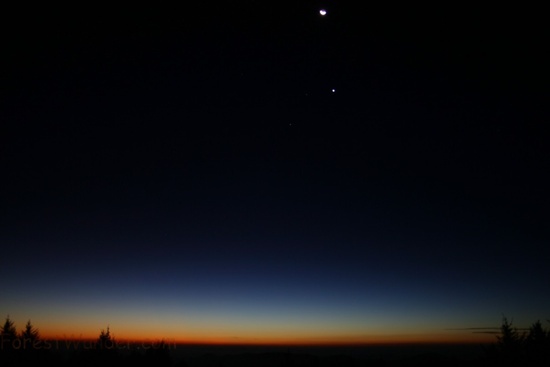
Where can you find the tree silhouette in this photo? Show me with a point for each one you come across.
(8, 331)
(509, 338)
(30, 333)
(105, 341)
(104, 353)
(537, 335)
(515, 349)
(8, 347)
(537, 345)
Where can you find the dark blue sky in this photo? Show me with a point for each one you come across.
(193, 167)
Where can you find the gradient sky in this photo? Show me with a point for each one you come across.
(190, 174)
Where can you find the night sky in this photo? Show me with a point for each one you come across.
(260, 173)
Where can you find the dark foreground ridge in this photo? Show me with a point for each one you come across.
(512, 348)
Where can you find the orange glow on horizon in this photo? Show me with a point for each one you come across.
(268, 333)
(285, 341)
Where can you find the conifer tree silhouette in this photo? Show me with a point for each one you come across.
(105, 341)
(30, 333)
(8, 347)
(8, 329)
(104, 353)
(518, 349)
(537, 345)
(537, 335)
(509, 339)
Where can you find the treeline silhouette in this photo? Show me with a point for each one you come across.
(515, 348)
(26, 348)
